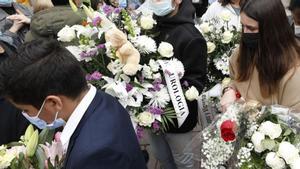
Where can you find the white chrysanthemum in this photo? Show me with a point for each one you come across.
(178, 66)
(86, 31)
(160, 98)
(144, 44)
(222, 65)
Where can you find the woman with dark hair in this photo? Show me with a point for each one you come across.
(231, 7)
(265, 68)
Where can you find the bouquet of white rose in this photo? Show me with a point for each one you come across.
(250, 136)
(122, 59)
(221, 41)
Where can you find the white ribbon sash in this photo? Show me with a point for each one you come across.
(175, 91)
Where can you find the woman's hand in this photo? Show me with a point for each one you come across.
(228, 97)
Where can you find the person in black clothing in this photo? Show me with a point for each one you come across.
(200, 6)
(175, 25)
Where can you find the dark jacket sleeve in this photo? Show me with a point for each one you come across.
(194, 60)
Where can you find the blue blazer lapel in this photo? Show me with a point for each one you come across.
(91, 109)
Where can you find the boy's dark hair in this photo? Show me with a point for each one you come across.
(41, 68)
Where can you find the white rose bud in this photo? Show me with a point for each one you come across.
(227, 37)
(256, 139)
(225, 16)
(192, 94)
(270, 129)
(274, 161)
(288, 152)
(147, 22)
(210, 47)
(145, 119)
(66, 34)
(295, 164)
(205, 27)
(165, 49)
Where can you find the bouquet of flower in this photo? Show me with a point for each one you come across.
(249, 136)
(273, 141)
(221, 41)
(121, 58)
(34, 150)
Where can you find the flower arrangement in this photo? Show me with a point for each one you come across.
(221, 41)
(34, 150)
(250, 136)
(121, 57)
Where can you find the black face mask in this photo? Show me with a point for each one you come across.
(251, 39)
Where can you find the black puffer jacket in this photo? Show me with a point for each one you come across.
(190, 48)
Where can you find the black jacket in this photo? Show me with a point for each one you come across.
(12, 123)
(190, 48)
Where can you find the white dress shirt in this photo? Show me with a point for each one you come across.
(76, 116)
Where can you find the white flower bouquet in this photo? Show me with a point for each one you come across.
(221, 41)
(121, 58)
(250, 136)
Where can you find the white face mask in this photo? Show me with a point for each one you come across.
(162, 8)
(41, 124)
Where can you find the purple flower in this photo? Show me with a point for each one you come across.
(139, 132)
(129, 87)
(101, 46)
(117, 10)
(96, 21)
(155, 125)
(107, 9)
(94, 76)
(90, 53)
(156, 87)
(155, 110)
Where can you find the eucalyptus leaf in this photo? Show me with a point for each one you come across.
(268, 144)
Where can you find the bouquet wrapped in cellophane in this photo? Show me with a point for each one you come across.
(250, 136)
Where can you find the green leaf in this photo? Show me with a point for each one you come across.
(296, 140)
(287, 132)
(40, 157)
(268, 144)
(46, 136)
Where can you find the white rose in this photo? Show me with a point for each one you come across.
(205, 27)
(227, 37)
(295, 164)
(192, 94)
(165, 49)
(145, 119)
(256, 139)
(130, 69)
(274, 161)
(288, 152)
(146, 72)
(66, 34)
(210, 47)
(147, 22)
(154, 65)
(225, 16)
(270, 129)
